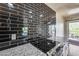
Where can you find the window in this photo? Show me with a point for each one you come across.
(74, 30)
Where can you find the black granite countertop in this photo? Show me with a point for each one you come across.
(43, 44)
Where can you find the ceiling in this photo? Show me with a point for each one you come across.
(63, 8)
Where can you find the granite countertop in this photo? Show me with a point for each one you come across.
(23, 50)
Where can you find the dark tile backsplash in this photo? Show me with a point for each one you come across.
(14, 17)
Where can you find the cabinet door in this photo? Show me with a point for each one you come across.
(65, 49)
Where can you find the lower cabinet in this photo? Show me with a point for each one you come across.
(59, 50)
(65, 49)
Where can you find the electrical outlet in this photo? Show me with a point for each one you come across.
(13, 36)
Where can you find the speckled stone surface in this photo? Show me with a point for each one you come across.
(23, 50)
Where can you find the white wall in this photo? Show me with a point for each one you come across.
(59, 27)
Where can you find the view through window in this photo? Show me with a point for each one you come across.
(74, 30)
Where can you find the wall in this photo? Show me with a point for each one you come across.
(59, 27)
(62, 25)
(69, 18)
(42, 30)
(37, 24)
